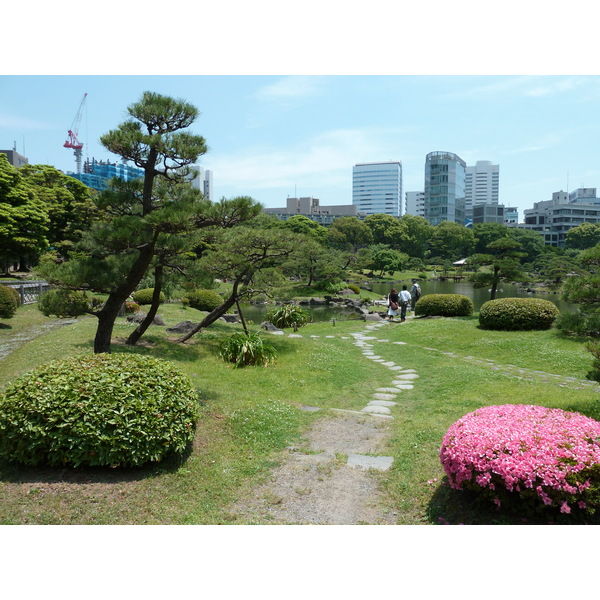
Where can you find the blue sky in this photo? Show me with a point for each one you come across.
(272, 136)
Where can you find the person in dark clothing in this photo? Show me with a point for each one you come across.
(393, 306)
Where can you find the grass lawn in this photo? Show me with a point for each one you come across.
(324, 372)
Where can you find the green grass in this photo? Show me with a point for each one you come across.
(228, 459)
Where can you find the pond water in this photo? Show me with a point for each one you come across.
(257, 313)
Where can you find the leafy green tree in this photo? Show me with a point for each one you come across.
(486, 233)
(316, 263)
(532, 242)
(24, 221)
(584, 236)
(451, 241)
(118, 251)
(349, 234)
(503, 260)
(416, 233)
(384, 258)
(304, 225)
(386, 229)
(555, 268)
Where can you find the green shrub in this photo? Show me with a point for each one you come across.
(288, 315)
(15, 294)
(63, 303)
(354, 288)
(99, 410)
(266, 426)
(247, 350)
(516, 314)
(145, 296)
(444, 305)
(206, 300)
(131, 308)
(8, 304)
(329, 287)
(581, 323)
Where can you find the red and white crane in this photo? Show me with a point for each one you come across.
(73, 142)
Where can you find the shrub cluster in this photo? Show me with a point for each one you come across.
(206, 300)
(444, 305)
(584, 322)
(517, 314)
(8, 302)
(99, 410)
(63, 303)
(145, 296)
(131, 307)
(289, 315)
(526, 457)
(247, 350)
(353, 287)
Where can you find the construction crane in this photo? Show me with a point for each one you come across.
(73, 142)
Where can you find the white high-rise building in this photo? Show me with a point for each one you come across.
(203, 181)
(415, 203)
(481, 185)
(377, 188)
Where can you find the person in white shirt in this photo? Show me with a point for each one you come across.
(404, 301)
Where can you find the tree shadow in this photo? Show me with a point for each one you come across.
(5, 326)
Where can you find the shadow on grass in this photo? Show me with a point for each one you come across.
(456, 507)
(15, 473)
(5, 326)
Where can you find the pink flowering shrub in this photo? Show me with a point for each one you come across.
(528, 457)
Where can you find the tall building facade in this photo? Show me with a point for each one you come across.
(203, 181)
(415, 204)
(444, 188)
(482, 185)
(377, 188)
(97, 174)
(310, 207)
(14, 158)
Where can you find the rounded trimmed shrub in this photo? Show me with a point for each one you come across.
(518, 314)
(8, 303)
(444, 305)
(63, 303)
(526, 458)
(15, 294)
(206, 300)
(289, 315)
(145, 296)
(353, 287)
(99, 410)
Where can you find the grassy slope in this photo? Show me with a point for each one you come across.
(323, 372)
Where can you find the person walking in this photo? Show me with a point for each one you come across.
(404, 302)
(393, 300)
(415, 294)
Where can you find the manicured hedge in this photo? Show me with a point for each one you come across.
(99, 410)
(8, 303)
(145, 296)
(63, 303)
(526, 458)
(444, 305)
(206, 300)
(515, 314)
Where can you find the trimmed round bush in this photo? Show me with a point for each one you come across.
(63, 303)
(354, 288)
(517, 314)
(8, 303)
(444, 305)
(206, 300)
(526, 458)
(99, 410)
(145, 296)
(15, 294)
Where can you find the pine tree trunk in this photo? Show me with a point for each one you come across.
(141, 328)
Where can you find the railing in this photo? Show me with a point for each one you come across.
(30, 292)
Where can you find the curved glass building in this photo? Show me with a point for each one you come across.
(444, 188)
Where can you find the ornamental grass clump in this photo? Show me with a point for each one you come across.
(247, 350)
(529, 459)
(99, 410)
(289, 315)
(444, 305)
(518, 314)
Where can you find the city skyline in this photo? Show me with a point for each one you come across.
(273, 137)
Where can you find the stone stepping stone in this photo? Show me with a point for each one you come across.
(387, 390)
(408, 376)
(404, 386)
(368, 337)
(384, 396)
(408, 371)
(381, 463)
(382, 403)
(396, 368)
(383, 340)
(276, 332)
(398, 342)
(368, 353)
(330, 336)
(375, 357)
(377, 410)
(389, 363)
(380, 360)
(295, 335)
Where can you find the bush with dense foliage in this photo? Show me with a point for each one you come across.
(517, 314)
(444, 305)
(583, 322)
(247, 350)
(145, 296)
(8, 303)
(15, 294)
(289, 315)
(131, 307)
(265, 426)
(353, 287)
(63, 303)
(206, 300)
(99, 410)
(525, 458)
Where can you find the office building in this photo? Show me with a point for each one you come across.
(311, 208)
(14, 158)
(377, 188)
(415, 204)
(203, 181)
(97, 174)
(482, 183)
(444, 188)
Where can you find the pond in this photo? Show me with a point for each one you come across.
(257, 313)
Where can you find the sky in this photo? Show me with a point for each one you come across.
(277, 136)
